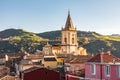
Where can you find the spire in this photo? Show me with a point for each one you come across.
(69, 24)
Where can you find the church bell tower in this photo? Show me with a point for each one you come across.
(69, 37)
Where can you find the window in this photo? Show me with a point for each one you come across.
(77, 69)
(93, 69)
(118, 71)
(65, 40)
(107, 70)
(67, 68)
(72, 40)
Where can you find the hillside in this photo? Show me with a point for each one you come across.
(26, 41)
(52, 35)
(14, 32)
(92, 41)
(56, 35)
(19, 40)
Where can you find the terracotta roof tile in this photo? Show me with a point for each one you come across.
(34, 56)
(7, 77)
(31, 69)
(104, 57)
(77, 59)
(62, 55)
(4, 70)
(56, 47)
(78, 73)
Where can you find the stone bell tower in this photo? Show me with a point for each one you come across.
(69, 37)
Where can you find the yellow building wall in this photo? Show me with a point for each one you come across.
(55, 51)
(82, 51)
(51, 64)
(60, 60)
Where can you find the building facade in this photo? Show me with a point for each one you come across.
(37, 73)
(69, 37)
(104, 66)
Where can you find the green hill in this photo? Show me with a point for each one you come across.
(27, 41)
(92, 41)
(14, 32)
(56, 35)
(19, 40)
(51, 35)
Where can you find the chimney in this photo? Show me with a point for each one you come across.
(6, 57)
(113, 61)
(102, 50)
(109, 52)
(101, 54)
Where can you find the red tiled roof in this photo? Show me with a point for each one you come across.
(4, 70)
(104, 57)
(77, 73)
(77, 59)
(62, 55)
(51, 54)
(34, 56)
(56, 47)
(31, 69)
(8, 77)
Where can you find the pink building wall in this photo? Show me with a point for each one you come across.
(74, 67)
(113, 72)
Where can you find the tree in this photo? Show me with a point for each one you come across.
(26, 43)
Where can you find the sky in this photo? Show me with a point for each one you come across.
(101, 16)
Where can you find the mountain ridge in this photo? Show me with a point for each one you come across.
(92, 41)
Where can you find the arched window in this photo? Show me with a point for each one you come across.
(72, 40)
(65, 40)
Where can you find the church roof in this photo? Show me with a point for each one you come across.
(69, 24)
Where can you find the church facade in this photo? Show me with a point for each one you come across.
(69, 44)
